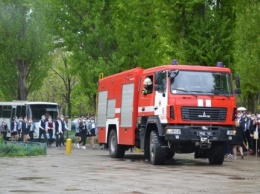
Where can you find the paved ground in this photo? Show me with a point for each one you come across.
(93, 171)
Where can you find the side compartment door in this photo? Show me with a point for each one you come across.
(127, 128)
(101, 116)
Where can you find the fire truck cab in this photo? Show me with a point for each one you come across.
(188, 109)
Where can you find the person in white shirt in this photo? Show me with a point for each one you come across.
(63, 127)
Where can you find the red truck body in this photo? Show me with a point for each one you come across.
(190, 109)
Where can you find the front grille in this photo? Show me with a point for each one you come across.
(203, 114)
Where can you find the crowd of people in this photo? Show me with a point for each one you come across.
(247, 127)
(85, 127)
(23, 129)
(58, 127)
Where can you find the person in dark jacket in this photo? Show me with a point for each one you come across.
(83, 132)
(238, 140)
(42, 129)
(148, 87)
(14, 129)
(4, 129)
(31, 129)
(57, 125)
(50, 128)
(25, 130)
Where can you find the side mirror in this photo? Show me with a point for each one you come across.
(158, 76)
(238, 91)
(173, 73)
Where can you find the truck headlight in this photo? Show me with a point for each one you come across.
(173, 131)
(231, 132)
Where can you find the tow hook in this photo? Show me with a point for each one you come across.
(169, 144)
(205, 143)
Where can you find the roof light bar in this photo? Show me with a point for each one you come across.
(219, 64)
(174, 62)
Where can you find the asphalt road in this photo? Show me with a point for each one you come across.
(93, 171)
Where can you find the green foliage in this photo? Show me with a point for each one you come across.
(113, 36)
(21, 149)
(204, 30)
(24, 48)
(246, 52)
(103, 36)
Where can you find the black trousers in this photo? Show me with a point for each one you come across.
(42, 132)
(248, 139)
(31, 135)
(59, 139)
(83, 137)
(50, 131)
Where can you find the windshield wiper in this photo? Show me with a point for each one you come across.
(204, 92)
(180, 89)
(186, 91)
(220, 92)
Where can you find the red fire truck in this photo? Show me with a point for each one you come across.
(189, 109)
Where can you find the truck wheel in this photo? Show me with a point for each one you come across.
(216, 154)
(147, 153)
(115, 150)
(157, 154)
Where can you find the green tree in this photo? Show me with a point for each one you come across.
(112, 36)
(59, 84)
(24, 48)
(108, 37)
(63, 72)
(203, 31)
(247, 52)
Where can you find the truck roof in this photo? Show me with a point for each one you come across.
(139, 70)
(188, 67)
(130, 72)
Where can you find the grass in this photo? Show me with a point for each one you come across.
(20, 149)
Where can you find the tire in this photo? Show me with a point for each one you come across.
(115, 150)
(216, 154)
(147, 153)
(157, 153)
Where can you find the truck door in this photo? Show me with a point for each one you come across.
(161, 96)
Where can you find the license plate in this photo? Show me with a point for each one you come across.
(204, 133)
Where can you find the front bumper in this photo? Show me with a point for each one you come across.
(197, 133)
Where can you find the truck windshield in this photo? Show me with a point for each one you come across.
(209, 83)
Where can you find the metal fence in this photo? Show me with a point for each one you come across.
(16, 148)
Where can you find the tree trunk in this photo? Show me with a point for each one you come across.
(22, 73)
(251, 99)
(21, 64)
